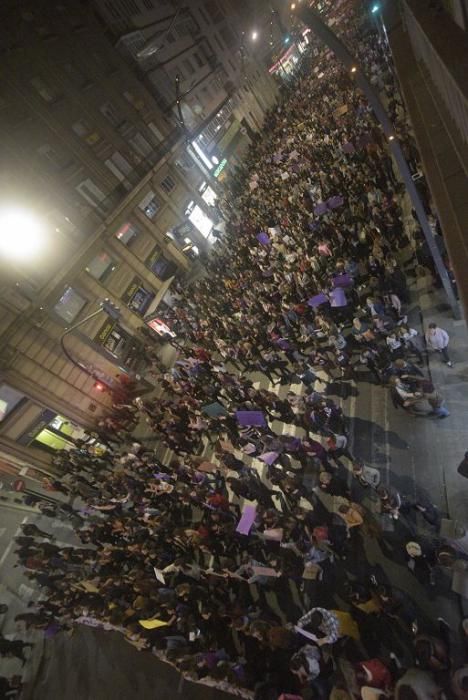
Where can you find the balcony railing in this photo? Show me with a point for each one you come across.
(428, 42)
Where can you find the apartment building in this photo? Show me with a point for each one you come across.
(200, 63)
(88, 153)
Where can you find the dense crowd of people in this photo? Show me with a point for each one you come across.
(242, 558)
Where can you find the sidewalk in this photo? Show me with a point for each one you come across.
(450, 443)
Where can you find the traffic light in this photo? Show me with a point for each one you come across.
(111, 309)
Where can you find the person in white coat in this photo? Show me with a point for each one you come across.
(437, 339)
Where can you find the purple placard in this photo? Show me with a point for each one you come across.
(277, 158)
(248, 418)
(320, 208)
(247, 519)
(317, 300)
(263, 238)
(342, 280)
(269, 457)
(348, 147)
(338, 297)
(335, 202)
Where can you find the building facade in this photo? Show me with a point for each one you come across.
(201, 66)
(124, 205)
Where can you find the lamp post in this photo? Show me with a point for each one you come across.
(21, 235)
(313, 20)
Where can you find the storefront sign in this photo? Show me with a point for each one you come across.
(105, 331)
(220, 168)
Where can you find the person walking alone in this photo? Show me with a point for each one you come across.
(437, 339)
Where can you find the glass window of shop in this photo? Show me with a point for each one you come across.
(127, 233)
(70, 305)
(9, 399)
(100, 266)
(160, 266)
(52, 432)
(137, 297)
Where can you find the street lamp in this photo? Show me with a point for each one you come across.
(21, 234)
(254, 35)
(375, 8)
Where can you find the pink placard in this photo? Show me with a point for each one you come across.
(264, 571)
(275, 534)
(247, 519)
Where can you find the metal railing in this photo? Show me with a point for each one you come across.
(451, 93)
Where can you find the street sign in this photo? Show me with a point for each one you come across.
(19, 485)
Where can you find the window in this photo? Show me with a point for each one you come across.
(202, 222)
(220, 46)
(100, 266)
(84, 131)
(58, 159)
(77, 77)
(134, 100)
(228, 37)
(9, 400)
(161, 266)
(150, 205)
(156, 131)
(168, 184)
(204, 16)
(111, 114)
(119, 166)
(70, 305)
(45, 90)
(127, 233)
(214, 11)
(198, 60)
(188, 66)
(137, 297)
(91, 193)
(140, 145)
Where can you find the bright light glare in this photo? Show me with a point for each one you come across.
(254, 35)
(215, 160)
(375, 8)
(21, 235)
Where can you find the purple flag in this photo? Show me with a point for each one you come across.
(247, 418)
(320, 208)
(263, 238)
(335, 202)
(317, 300)
(247, 519)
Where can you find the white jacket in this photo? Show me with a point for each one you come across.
(437, 338)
